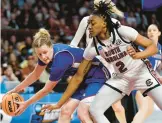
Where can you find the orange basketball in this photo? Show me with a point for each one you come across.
(8, 105)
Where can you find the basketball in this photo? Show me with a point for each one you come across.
(8, 105)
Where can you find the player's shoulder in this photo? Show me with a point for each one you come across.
(128, 32)
(122, 28)
(62, 59)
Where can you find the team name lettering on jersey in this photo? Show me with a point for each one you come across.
(114, 54)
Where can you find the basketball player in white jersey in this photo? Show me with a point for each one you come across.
(83, 29)
(112, 42)
(132, 71)
(117, 107)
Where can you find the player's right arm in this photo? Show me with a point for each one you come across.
(31, 78)
(84, 67)
(75, 81)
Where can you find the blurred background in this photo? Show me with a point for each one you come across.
(20, 19)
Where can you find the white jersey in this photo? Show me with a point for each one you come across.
(116, 53)
(130, 73)
(107, 65)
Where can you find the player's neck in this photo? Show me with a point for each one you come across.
(104, 35)
(156, 42)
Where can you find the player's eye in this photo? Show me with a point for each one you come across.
(44, 52)
(154, 30)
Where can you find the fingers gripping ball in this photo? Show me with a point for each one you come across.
(8, 105)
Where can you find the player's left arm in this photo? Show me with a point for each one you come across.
(84, 67)
(43, 92)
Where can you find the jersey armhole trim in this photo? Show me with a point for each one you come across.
(122, 37)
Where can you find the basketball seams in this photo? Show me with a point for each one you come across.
(19, 97)
(13, 102)
(5, 106)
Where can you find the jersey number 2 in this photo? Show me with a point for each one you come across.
(121, 66)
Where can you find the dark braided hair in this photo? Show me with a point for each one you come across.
(105, 10)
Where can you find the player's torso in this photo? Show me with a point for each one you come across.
(116, 54)
(97, 69)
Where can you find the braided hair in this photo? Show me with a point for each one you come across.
(104, 10)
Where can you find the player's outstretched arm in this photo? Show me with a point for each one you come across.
(31, 78)
(43, 92)
(75, 81)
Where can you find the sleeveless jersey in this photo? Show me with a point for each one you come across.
(116, 53)
(61, 66)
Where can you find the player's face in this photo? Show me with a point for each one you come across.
(44, 53)
(95, 25)
(153, 32)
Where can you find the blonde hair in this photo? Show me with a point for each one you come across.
(42, 37)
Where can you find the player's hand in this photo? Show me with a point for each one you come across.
(12, 91)
(51, 107)
(132, 52)
(21, 109)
